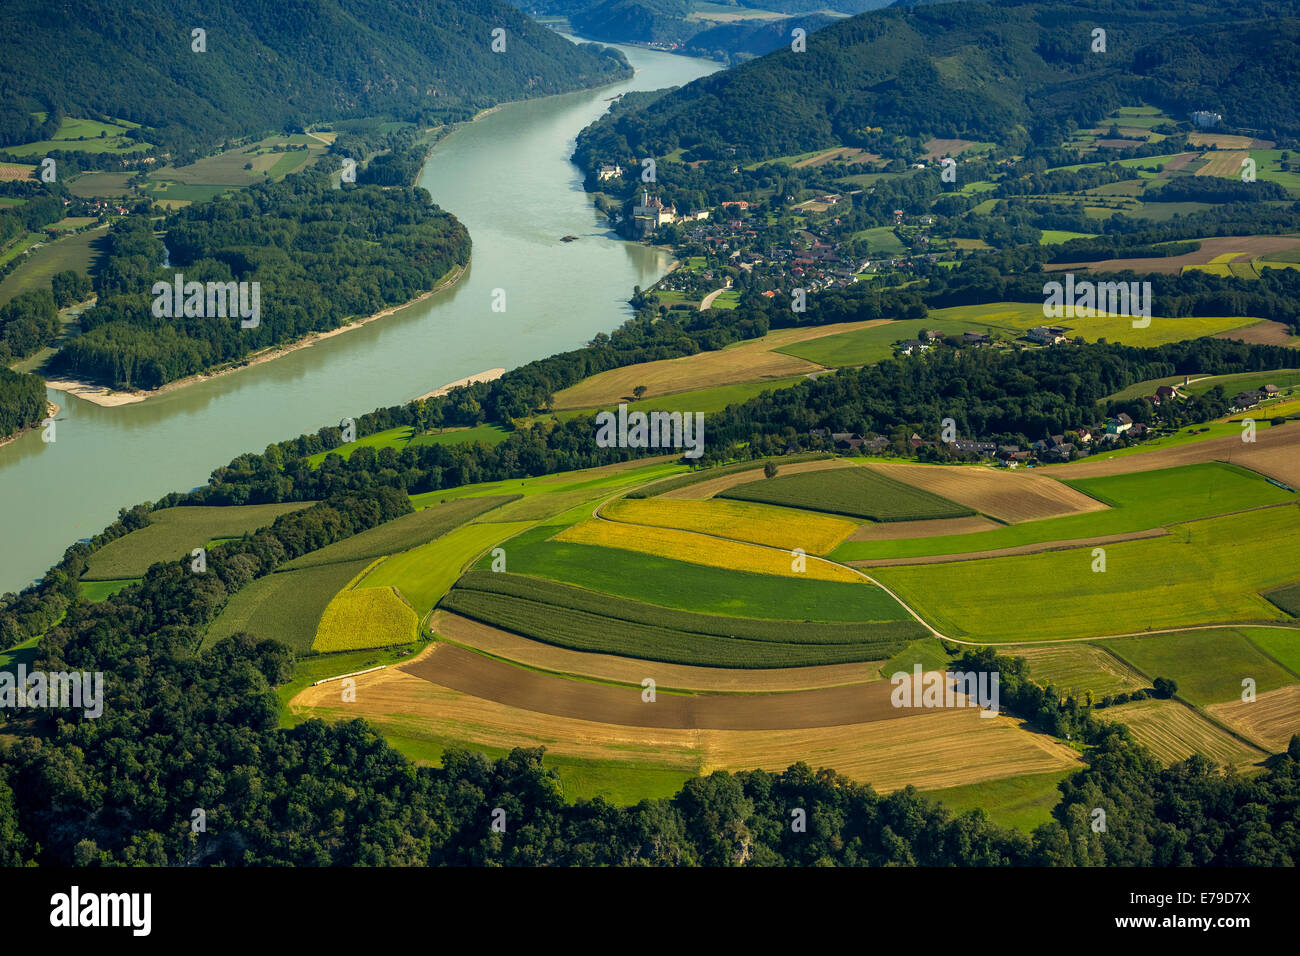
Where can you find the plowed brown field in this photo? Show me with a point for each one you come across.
(934, 528)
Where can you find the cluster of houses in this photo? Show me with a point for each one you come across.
(932, 337)
(1054, 448)
(1244, 400)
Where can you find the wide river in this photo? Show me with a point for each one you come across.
(509, 180)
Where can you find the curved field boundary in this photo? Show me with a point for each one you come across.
(613, 668)
(1018, 549)
(463, 670)
(709, 487)
(1009, 496)
(927, 528)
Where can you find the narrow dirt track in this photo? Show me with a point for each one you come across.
(470, 673)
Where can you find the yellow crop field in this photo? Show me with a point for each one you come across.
(368, 617)
(745, 521)
(424, 574)
(701, 549)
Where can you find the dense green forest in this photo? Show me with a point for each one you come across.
(22, 400)
(321, 256)
(424, 62)
(1013, 71)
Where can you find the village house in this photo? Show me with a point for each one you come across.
(912, 345)
(975, 338)
(985, 448)
(1046, 334)
(1119, 424)
(609, 172)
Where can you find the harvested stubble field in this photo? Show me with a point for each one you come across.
(929, 528)
(1009, 496)
(1223, 163)
(630, 670)
(1267, 332)
(173, 533)
(1271, 718)
(1275, 452)
(1173, 732)
(1208, 665)
(723, 478)
(752, 361)
(402, 534)
(702, 549)
(357, 619)
(858, 492)
(581, 630)
(479, 676)
(1142, 504)
(1204, 572)
(744, 521)
(285, 606)
(936, 749)
(1078, 668)
(1211, 249)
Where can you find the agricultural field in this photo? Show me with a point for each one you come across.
(1006, 496)
(755, 360)
(1271, 718)
(943, 749)
(1208, 665)
(583, 631)
(285, 606)
(761, 524)
(423, 575)
(694, 587)
(102, 590)
(1020, 802)
(858, 492)
(360, 618)
(1078, 668)
(80, 252)
(1138, 501)
(698, 549)
(404, 436)
(1203, 572)
(1282, 644)
(101, 184)
(86, 136)
(616, 669)
(701, 400)
(402, 534)
(1211, 249)
(172, 533)
(1173, 732)
(707, 482)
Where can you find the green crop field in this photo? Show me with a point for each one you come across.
(1208, 665)
(1287, 598)
(404, 436)
(79, 252)
(424, 574)
(694, 587)
(875, 344)
(857, 492)
(1280, 643)
(175, 532)
(706, 400)
(109, 185)
(708, 474)
(881, 241)
(285, 606)
(401, 534)
(83, 135)
(1244, 381)
(1138, 501)
(101, 590)
(926, 651)
(1077, 668)
(1051, 237)
(1205, 572)
(594, 480)
(565, 596)
(1020, 802)
(584, 631)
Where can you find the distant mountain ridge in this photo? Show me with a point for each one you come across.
(286, 62)
(1002, 71)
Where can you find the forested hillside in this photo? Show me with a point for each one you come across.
(985, 71)
(272, 64)
(320, 255)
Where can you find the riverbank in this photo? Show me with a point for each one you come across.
(109, 398)
(51, 409)
(491, 375)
